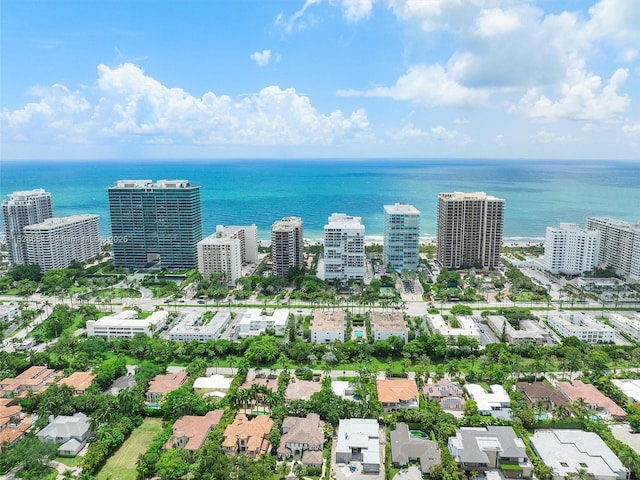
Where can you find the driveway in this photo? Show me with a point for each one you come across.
(411, 473)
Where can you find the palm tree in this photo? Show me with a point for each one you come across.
(581, 407)
(580, 474)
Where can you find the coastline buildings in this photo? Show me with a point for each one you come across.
(287, 245)
(125, 324)
(59, 241)
(570, 249)
(155, 224)
(20, 210)
(469, 230)
(619, 245)
(225, 251)
(401, 246)
(580, 325)
(344, 257)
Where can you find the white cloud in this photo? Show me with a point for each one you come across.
(428, 86)
(495, 22)
(356, 10)
(583, 97)
(619, 19)
(130, 104)
(632, 130)
(461, 121)
(545, 136)
(500, 139)
(408, 131)
(297, 21)
(262, 58)
(441, 133)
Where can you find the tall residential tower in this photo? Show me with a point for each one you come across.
(344, 256)
(287, 245)
(619, 245)
(225, 251)
(469, 230)
(18, 211)
(155, 224)
(571, 250)
(401, 250)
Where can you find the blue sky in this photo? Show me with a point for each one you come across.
(322, 78)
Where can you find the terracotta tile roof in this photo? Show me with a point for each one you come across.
(9, 435)
(33, 378)
(307, 431)
(79, 381)
(396, 390)
(270, 383)
(195, 428)
(591, 395)
(162, 384)
(302, 389)
(254, 431)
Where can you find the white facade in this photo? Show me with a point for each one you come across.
(385, 325)
(569, 451)
(125, 324)
(582, 326)
(253, 322)
(344, 257)
(227, 250)
(530, 331)
(495, 400)
(59, 241)
(468, 327)
(8, 313)
(358, 439)
(627, 325)
(570, 249)
(189, 327)
(18, 211)
(287, 245)
(401, 248)
(619, 245)
(328, 327)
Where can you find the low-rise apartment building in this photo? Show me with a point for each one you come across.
(190, 327)
(8, 313)
(385, 325)
(467, 326)
(328, 327)
(126, 324)
(529, 332)
(580, 325)
(254, 322)
(630, 326)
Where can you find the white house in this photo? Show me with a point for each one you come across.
(253, 322)
(70, 432)
(359, 441)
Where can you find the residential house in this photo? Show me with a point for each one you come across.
(407, 448)
(397, 393)
(593, 397)
(496, 402)
(33, 379)
(78, 381)
(247, 437)
(214, 386)
(542, 393)
(359, 441)
(302, 438)
(490, 448)
(70, 432)
(190, 431)
(447, 393)
(568, 451)
(163, 384)
(13, 425)
(301, 389)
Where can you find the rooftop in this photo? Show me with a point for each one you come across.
(196, 428)
(397, 390)
(388, 322)
(325, 320)
(78, 381)
(302, 389)
(162, 384)
(591, 395)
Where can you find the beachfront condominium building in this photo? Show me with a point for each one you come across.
(469, 230)
(155, 224)
(287, 245)
(570, 249)
(344, 257)
(18, 211)
(226, 251)
(619, 245)
(401, 250)
(59, 241)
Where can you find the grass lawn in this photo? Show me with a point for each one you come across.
(122, 465)
(69, 461)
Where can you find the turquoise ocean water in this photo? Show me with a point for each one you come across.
(239, 192)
